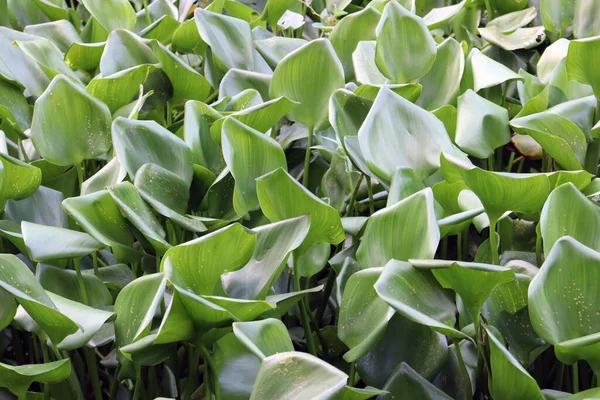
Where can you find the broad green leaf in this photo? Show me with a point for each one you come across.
(500, 192)
(235, 367)
(187, 83)
(473, 282)
(274, 242)
(19, 378)
(275, 48)
(561, 301)
(120, 89)
(439, 16)
(8, 311)
(48, 57)
(64, 282)
(53, 9)
(168, 194)
(196, 132)
(69, 141)
(61, 32)
(581, 59)
(352, 393)
(309, 76)
(237, 80)
(18, 280)
(363, 315)
(522, 38)
(42, 207)
(363, 61)
(89, 320)
(408, 229)
(146, 352)
(406, 382)
(416, 294)
(514, 20)
(482, 126)
(229, 38)
(135, 307)
(584, 23)
(403, 341)
(98, 214)
(124, 50)
(397, 133)
(249, 154)
(349, 32)
(405, 49)
(84, 56)
(47, 243)
(442, 82)
(556, 15)
(282, 197)
(578, 222)
(14, 110)
(142, 142)
(294, 376)
(197, 265)
(561, 138)
(18, 180)
(410, 91)
(112, 14)
(482, 72)
(550, 58)
(109, 175)
(264, 338)
(140, 215)
(509, 379)
(274, 9)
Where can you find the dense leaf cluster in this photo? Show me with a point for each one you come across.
(336, 199)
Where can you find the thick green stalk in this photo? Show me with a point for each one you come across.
(80, 283)
(210, 365)
(352, 374)
(80, 179)
(44, 347)
(352, 202)
(494, 242)
(370, 190)
(90, 360)
(463, 367)
(115, 383)
(72, 379)
(310, 343)
(95, 262)
(305, 175)
(575, 371)
(192, 379)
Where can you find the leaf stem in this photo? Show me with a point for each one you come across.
(192, 378)
(44, 347)
(352, 374)
(352, 202)
(115, 383)
(90, 359)
(72, 379)
(463, 368)
(305, 174)
(538, 250)
(211, 365)
(370, 190)
(80, 179)
(138, 382)
(95, 262)
(310, 343)
(80, 283)
(511, 160)
(575, 371)
(326, 294)
(494, 242)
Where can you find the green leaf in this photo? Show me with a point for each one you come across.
(577, 223)
(349, 32)
(14, 110)
(406, 382)
(509, 379)
(482, 72)
(19, 378)
(84, 56)
(514, 20)
(473, 282)
(142, 142)
(249, 154)
(98, 214)
(264, 338)
(140, 215)
(581, 58)
(442, 82)
(556, 15)
(584, 25)
(17, 279)
(405, 49)
(198, 264)
(112, 14)
(278, 378)
(275, 48)
(18, 180)
(135, 308)
(274, 242)
(69, 141)
(439, 16)
(309, 76)
(48, 57)
(560, 137)
(229, 38)
(64, 282)
(47, 243)
(482, 126)
(124, 50)
(187, 83)
(417, 295)
(235, 367)
(282, 197)
(397, 133)
(522, 38)
(408, 229)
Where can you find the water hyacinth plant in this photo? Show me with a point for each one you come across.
(292, 200)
